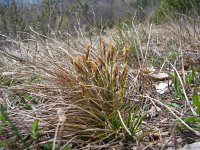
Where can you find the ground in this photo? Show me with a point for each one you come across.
(132, 88)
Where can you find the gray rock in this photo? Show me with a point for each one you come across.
(193, 146)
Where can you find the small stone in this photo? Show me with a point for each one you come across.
(193, 146)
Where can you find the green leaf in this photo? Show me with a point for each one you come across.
(178, 88)
(35, 130)
(115, 123)
(28, 96)
(48, 146)
(27, 107)
(2, 143)
(67, 148)
(175, 105)
(171, 75)
(191, 119)
(3, 113)
(194, 122)
(191, 77)
(194, 75)
(195, 100)
(198, 111)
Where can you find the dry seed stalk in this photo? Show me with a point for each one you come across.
(102, 48)
(125, 53)
(79, 68)
(65, 79)
(115, 72)
(89, 65)
(83, 88)
(106, 71)
(83, 58)
(95, 70)
(124, 73)
(88, 51)
(111, 54)
(99, 62)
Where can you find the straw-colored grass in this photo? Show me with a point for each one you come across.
(93, 95)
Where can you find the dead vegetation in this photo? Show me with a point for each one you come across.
(64, 93)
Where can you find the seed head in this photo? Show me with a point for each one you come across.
(115, 72)
(102, 47)
(111, 54)
(124, 72)
(78, 66)
(125, 53)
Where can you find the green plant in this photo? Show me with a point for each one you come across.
(99, 112)
(177, 86)
(6, 81)
(189, 122)
(33, 79)
(175, 105)
(196, 102)
(10, 130)
(193, 121)
(35, 130)
(191, 77)
(24, 99)
(169, 9)
(48, 146)
(125, 36)
(134, 120)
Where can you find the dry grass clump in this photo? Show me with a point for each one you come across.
(89, 88)
(98, 97)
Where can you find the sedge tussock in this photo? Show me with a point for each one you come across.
(88, 88)
(95, 87)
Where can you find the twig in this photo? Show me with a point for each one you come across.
(187, 100)
(62, 119)
(196, 132)
(127, 130)
(147, 48)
